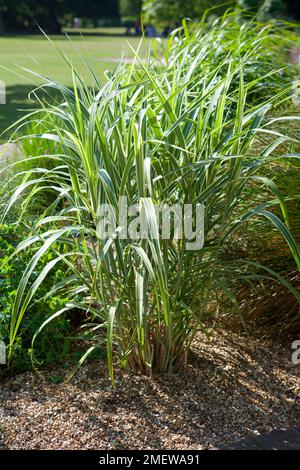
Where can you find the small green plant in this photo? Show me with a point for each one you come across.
(53, 343)
(179, 129)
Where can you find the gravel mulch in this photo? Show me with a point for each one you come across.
(234, 388)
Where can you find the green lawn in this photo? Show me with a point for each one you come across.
(38, 54)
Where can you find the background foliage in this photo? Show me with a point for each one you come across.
(51, 15)
(53, 344)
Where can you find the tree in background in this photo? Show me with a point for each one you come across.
(167, 12)
(2, 10)
(25, 14)
(7, 10)
(92, 9)
(48, 14)
(51, 14)
(264, 8)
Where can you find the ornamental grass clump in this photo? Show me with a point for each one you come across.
(178, 130)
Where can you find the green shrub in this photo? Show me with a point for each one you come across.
(53, 344)
(184, 130)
